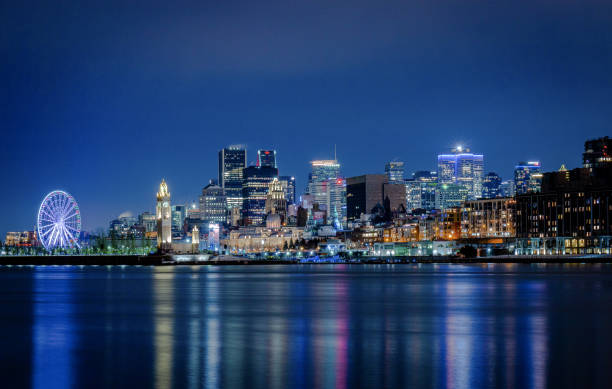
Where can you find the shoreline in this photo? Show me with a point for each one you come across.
(168, 260)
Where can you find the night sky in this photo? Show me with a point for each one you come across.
(103, 100)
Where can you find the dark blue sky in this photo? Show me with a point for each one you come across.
(103, 99)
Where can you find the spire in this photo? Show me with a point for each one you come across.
(163, 190)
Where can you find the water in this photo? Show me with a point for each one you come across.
(307, 326)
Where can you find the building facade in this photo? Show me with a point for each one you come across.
(462, 167)
(164, 218)
(451, 195)
(328, 190)
(232, 161)
(527, 177)
(289, 182)
(395, 172)
(491, 186)
(266, 158)
(254, 193)
(363, 193)
(489, 218)
(213, 204)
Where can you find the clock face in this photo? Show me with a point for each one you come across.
(165, 204)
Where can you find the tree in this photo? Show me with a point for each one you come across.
(468, 252)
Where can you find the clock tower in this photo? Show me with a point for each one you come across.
(164, 218)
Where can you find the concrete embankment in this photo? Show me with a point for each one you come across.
(168, 260)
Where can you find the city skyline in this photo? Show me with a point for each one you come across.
(105, 107)
(301, 188)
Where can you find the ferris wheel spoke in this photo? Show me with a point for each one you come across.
(44, 211)
(47, 230)
(71, 228)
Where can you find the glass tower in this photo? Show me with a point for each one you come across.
(328, 189)
(232, 161)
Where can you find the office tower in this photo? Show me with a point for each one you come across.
(328, 190)
(395, 172)
(147, 221)
(266, 158)
(213, 204)
(394, 197)
(232, 161)
(276, 201)
(363, 193)
(254, 193)
(451, 195)
(491, 186)
(178, 217)
(507, 188)
(421, 190)
(527, 177)
(464, 168)
(289, 187)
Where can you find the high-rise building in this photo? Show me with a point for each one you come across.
(254, 193)
(289, 187)
(451, 195)
(213, 204)
(491, 186)
(178, 217)
(328, 190)
(232, 161)
(147, 221)
(507, 188)
(164, 218)
(421, 190)
(462, 167)
(527, 177)
(395, 172)
(266, 158)
(363, 193)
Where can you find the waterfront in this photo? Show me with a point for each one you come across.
(422, 325)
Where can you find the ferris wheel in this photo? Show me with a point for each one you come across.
(59, 221)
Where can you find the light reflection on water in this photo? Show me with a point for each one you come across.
(308, 326)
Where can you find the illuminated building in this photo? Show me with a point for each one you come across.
(266, 158)
(147, 221)
(289, 183)
(178, 218)
(395, 172)
(464, 168)
(213, 204)
(254, 193)
(448, 224)
(276, 203)
(507, 188)
(328, 190)
(527, 177)
(21, 239)
(491, 186)
(421, 191)
(261, 239)
(488, 218)
(232, 161)
(451, 195)
(164, 219)
(573, 212)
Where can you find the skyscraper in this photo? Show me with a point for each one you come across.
(164, 219)
(597, 153)
(462, 167)
(421, 191)
(527, 177)
(232, 161)
(395, 172)
(289, 187)
(254, 193)
(328, 189)
(266, 158)
(363, 193)
(491, 186)
(213, 204)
